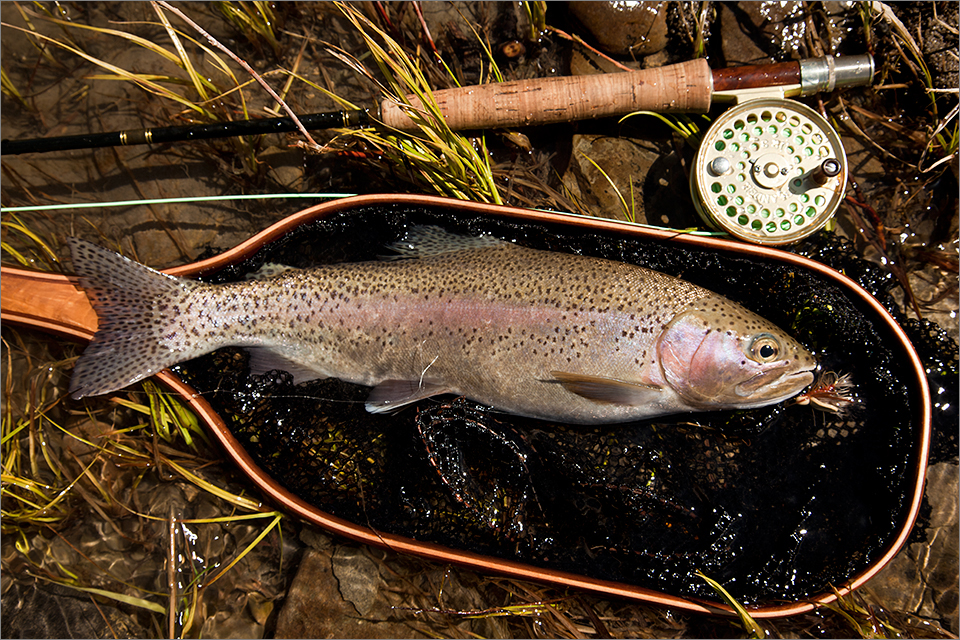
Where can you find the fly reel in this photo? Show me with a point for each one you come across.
(770, 171)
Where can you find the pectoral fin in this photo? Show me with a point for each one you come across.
(607, 390)
(391, 395)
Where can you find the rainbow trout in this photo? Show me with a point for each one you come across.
(541, 334)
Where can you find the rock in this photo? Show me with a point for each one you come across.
(624, 28)
(227, 624)
(923, 577)
(934, 27)
(35, 610)
(756, 32)
(285, 166)
(656, 179)
(315, 606)
(358, 578)
(735, 40)
(315, 537)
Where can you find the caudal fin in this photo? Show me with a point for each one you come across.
(129, 299)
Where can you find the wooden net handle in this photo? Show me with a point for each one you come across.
(681, 87)
(46, 301)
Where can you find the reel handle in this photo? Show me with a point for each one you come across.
(687, 86)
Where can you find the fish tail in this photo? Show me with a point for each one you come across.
(135, 307)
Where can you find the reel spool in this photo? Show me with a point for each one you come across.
(769, 171)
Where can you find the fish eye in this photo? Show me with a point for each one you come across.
(765, 348)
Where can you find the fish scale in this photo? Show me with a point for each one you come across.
(543, 334)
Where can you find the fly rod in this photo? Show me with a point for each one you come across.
(685, 87)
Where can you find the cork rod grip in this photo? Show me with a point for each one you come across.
(681, 87)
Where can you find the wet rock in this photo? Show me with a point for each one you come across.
(923, 577)
(315, 538)
(51, 611)
(285, 167)
(755, 32)
(315, 606)
(775, 27)
(227, 624)
(624, 28)
(584, 63)
(736, 39)
(933, 24)
(358, 578)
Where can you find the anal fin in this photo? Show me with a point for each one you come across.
(391, 395)
(607, 390)
(264, 359)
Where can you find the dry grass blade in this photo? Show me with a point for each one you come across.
(141, 80)
(536, 12)
(201, 84)
(33, 486)
(246, 67)
(31, 251)
(344, 104)
(45, 52)
(223, 494)
(130, 37)
(494, 75)
(434, 155)
(950, 145)
(851, 125)
(864, 619)
(207, 102)
(195, 78)
(681, 123)
(915, 61)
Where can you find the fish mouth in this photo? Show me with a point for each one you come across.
(774, 385)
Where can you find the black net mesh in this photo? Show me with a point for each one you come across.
(776, 503)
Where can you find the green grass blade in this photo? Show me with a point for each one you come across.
(256, 541)
(756, 631)
(628, 213)
(119, 597)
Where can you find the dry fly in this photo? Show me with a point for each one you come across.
(831, 392)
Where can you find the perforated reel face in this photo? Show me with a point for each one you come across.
(769, 171)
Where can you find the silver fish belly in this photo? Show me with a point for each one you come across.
(541, 334)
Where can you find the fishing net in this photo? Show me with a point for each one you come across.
(776, 503)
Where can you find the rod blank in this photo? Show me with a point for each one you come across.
(184, 133)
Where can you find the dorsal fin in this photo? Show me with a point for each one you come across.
(268, 270)
(424, 241)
